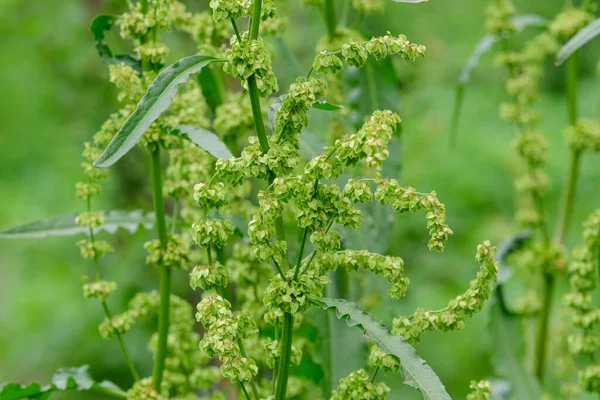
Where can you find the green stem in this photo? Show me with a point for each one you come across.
(564, 218)
(244, 390)
(374, 374)
(326, 354)
(257, 114)
(284, 363)
(165, 272)
(330, 18)
(252, 383)
(542, 334)
(256, 17)
(301, 253)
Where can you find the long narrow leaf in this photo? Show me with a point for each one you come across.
(64, 225)
(158, 98)
(77, 378)
(415, 370)
(207, 140)
(411, 1)
(483, 46)
(100, 25)
(578, 41)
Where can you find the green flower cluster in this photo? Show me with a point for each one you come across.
(272, 350)
(584, 135)
(291, 117)
(405, 199)
(385, 362)
(480, 390)
(356, 53)
(209, 276)
(138, 308)
(99, 289)
(585, 316)
(390, 267)
(370, 142)
(144, 390)
(176, 254)
(94, 249)
(525, 71)
(188, 165)
(498, 17)
(570, 21)
(458, 309)
(90, 219)
(248, 58)
(293, 296)
(127, 80)
(224, 330)
(215, 232)
(234, 9)
(358, 385)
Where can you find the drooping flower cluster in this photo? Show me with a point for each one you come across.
(405, 199)
(358, 385)
(224, 331)
(355, 53)
(458, 309)
(175, 255)
(583, 277)
(389, 267)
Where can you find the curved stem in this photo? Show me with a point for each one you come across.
(165, 272)
(301, 253)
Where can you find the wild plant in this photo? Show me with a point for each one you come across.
(234, 212)
(536, 261)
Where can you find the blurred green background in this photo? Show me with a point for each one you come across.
(55, 94)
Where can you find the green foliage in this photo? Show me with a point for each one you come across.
(582, 37)
(158, 98)
(77, 379)
(66, 225)
(414, 369)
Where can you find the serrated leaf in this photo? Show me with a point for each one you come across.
(578, 41)
(483, 46)
(64, 225)
(211, 88)
(158, 98)
(101, 24)
(416, 372)
(205, 139)
(507, 339)
(77, 378)
(326, 106)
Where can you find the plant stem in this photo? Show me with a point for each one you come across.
(374, 374)
(165, 272)
(301, 253)
(256, 17)
(330, 18)
(107, 312)
(284, 363)
(244, 390)
(326, 354)
(564, 218)
(252, 383)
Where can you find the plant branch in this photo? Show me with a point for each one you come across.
(165, 272)
(284, 363)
